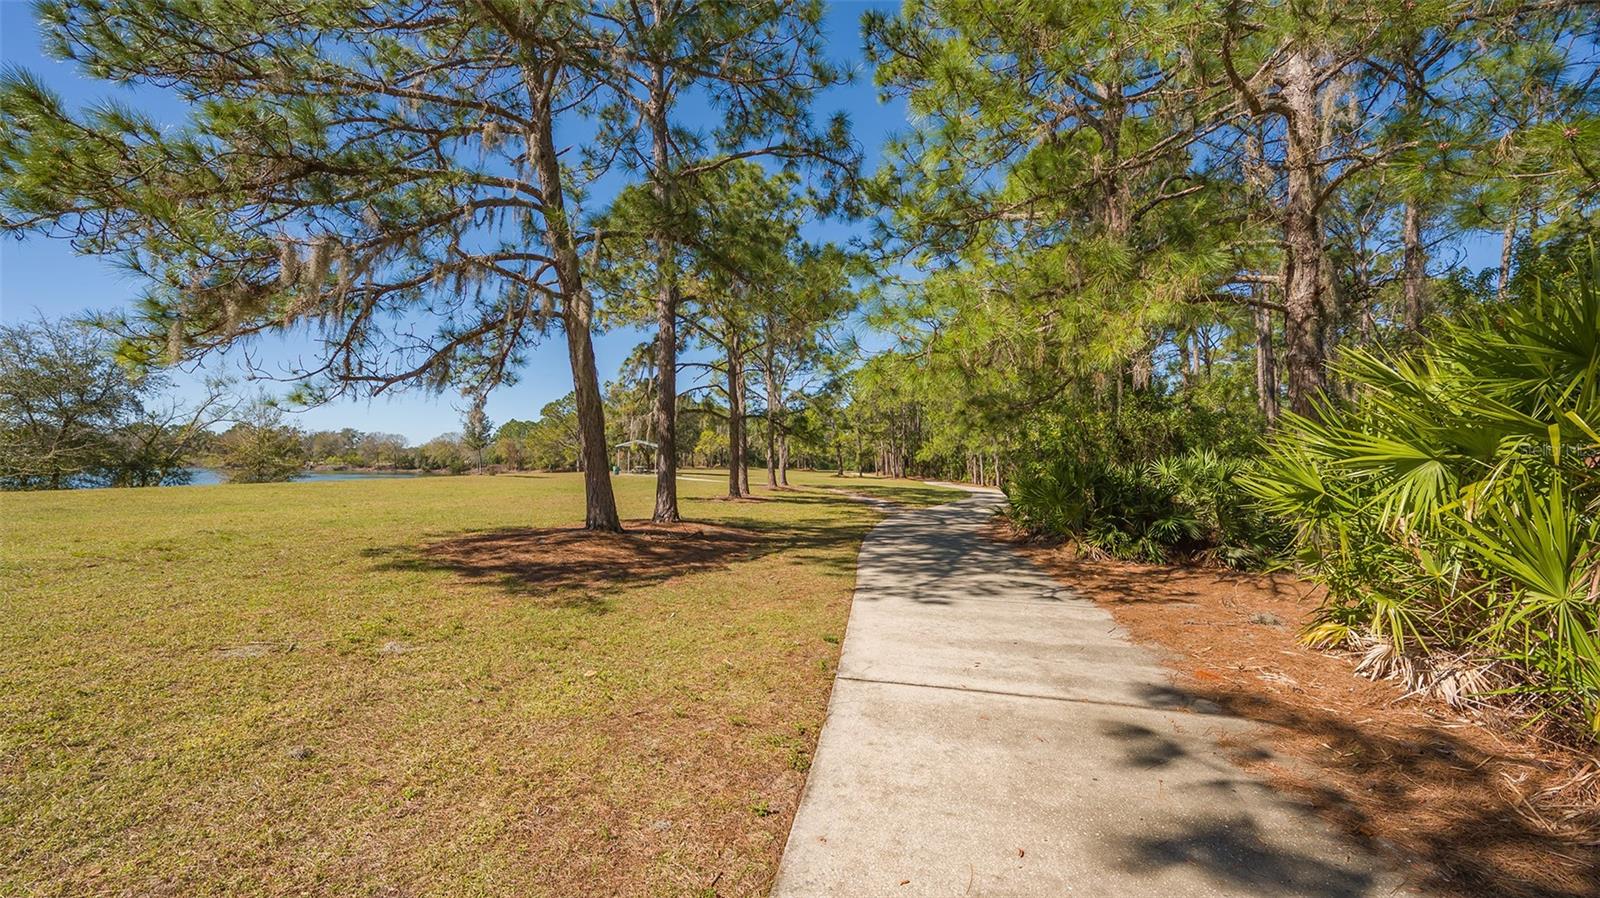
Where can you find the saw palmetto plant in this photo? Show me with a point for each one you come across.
(1453, 509)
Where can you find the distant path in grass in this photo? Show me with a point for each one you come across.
(992, 734)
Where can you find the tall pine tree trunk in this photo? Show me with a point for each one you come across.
(1266, 365)
(736, 482)
(1415, 264)
(783, 459)
(744, 443)
(1508, 242)
(666, 412)
(769, 374)
(744, 423)
(1414, 259)
(1117, 194)
(1305, 346)
(600, 504)
(772, 452)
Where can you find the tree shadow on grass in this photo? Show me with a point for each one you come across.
(552, 561)
(573, 567)
(813, 538)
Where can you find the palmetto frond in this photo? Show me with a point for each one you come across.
(1453, 507)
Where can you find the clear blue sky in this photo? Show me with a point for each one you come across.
(41, 274)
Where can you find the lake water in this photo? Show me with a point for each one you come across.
(208, 477)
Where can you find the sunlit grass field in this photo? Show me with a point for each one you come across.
(270, 689)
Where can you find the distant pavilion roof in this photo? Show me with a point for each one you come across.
(630, 444)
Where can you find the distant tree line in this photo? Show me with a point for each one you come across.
(71, 416)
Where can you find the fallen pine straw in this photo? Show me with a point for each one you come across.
(1461, 798)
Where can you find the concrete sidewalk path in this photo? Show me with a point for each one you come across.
(991, 734)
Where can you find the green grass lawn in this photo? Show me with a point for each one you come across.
(276, 689)
(902, 492)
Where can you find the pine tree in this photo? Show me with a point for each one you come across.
(388, 176)
(757, 65)
(477, 432)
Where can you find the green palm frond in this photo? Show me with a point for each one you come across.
(1456, 505)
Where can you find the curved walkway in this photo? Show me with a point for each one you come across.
(992, 734)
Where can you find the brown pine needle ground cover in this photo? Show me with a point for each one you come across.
(410, 687)
(1453, 801)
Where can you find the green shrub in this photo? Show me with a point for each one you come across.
(1186, 506)
(1451, 509)
(1229, 526)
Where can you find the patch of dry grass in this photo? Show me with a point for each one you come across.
(278, 689)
